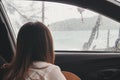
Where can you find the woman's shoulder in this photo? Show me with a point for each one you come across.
(43, 65)
(41, 69)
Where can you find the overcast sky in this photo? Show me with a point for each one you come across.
(54, 12)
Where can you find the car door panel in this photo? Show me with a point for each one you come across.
(90, 66)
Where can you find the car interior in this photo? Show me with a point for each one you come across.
(88, 65)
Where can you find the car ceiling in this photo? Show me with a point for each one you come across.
(101, 6)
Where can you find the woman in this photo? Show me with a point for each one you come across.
(35, 57)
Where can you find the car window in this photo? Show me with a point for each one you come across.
(73, 28)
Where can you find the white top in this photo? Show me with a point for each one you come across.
(44, 71)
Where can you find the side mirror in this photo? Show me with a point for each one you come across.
(117, 44)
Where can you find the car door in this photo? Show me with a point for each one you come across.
(7, 43)
(85, 41)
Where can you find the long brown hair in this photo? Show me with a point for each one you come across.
(34, 43)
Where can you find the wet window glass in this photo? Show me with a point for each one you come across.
(73, 28)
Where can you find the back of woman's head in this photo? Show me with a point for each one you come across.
(34, 43)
